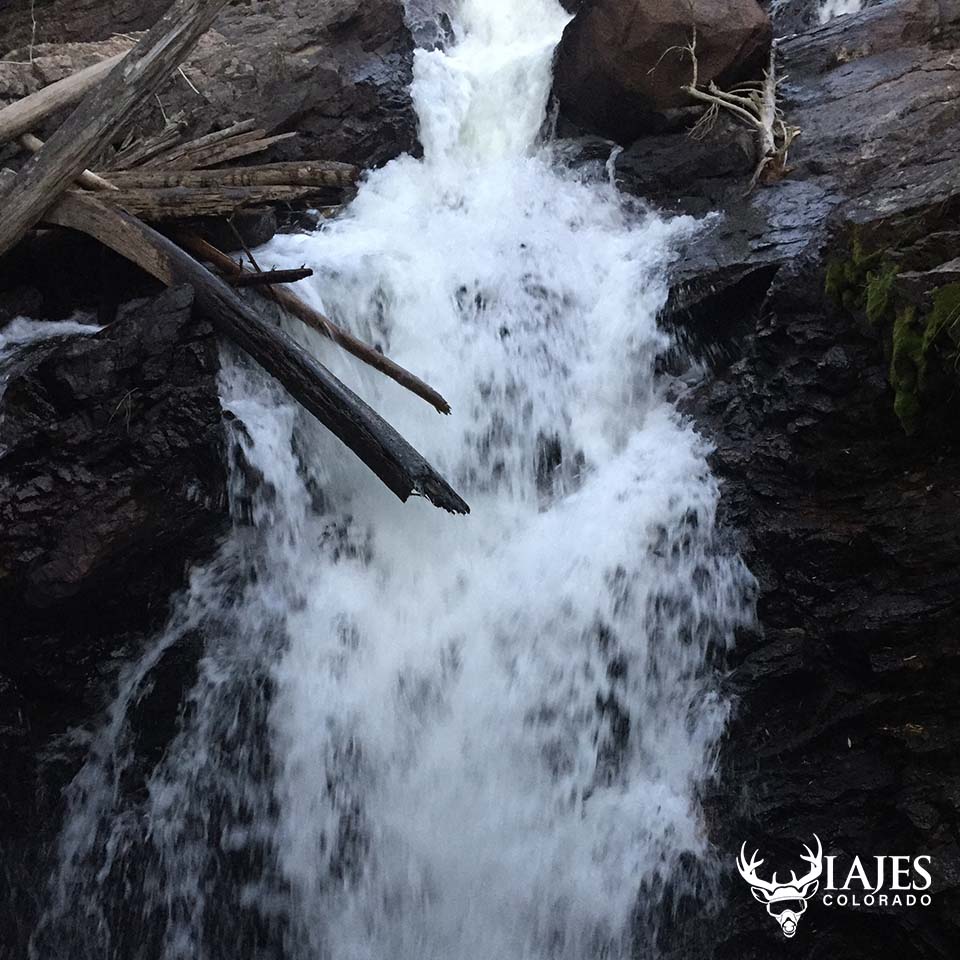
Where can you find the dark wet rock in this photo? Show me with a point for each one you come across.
(429, 22)
(614, 74)
(875, 96)
(337, 72)
(246, 228)
(848, 718)
(112, 460)
(19, 301)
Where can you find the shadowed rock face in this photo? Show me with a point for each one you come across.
(111, 453)
(614, 73)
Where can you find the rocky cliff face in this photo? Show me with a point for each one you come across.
(825, 308)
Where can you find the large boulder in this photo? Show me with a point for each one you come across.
(616, 69)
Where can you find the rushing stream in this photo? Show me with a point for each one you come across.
(413, 736)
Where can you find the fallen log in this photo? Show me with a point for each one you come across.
(267, 277)
(179, 203)
(316, 320)
(369, 436)
(306, 173)
(21, 117)
(100, 115)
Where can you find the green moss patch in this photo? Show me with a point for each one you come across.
(923, 345)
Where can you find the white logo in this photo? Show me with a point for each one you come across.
(879, 881)
(785, 902)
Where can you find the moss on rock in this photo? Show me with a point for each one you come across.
(906, 368)
(923, 346)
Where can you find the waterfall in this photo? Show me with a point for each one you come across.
(410, 735)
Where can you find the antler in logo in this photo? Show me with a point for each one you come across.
(785, 902)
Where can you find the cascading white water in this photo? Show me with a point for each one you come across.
(416, 736)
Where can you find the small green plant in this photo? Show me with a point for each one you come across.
(945, 317)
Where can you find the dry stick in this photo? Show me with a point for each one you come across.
(313, 318)
(182, 153)
(86, 179)
(142, 150)
(24, 115)
(176, 204)
(360, 427)
(243, 244)
(101, 115)
(267, 278)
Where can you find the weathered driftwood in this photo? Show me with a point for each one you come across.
(86, 179)
(305, 173)
(100, 116)
(367, 434)
(267, 277)
(313, 318)
(179, 203)
(142, 150)
(208, 140)
(25, 114)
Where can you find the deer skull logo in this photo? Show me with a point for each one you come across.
(785, 902)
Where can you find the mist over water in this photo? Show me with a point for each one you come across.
(413, 736)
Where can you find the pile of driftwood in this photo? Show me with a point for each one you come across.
(165, 179)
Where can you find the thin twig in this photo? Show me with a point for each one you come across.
(33, 28)
(189, 84)
(243, 244)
